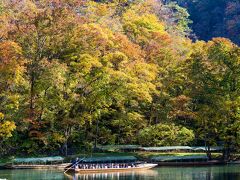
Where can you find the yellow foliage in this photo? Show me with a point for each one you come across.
(85, 63)
(11, 63)
(1, 115)
(117, 60)
(96, 11)
(58, 137)
(6, 129)
(142, 25)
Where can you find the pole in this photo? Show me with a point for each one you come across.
(73, 165)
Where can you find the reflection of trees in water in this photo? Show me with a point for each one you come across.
(228, 172)
(227, 176)
(170, 173)
(29, 174)
(201, 173)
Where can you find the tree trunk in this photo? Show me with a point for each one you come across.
(226, 154)
(66, 148)
(31, 113)
(96, 136)
(207, 148)
(208, 151)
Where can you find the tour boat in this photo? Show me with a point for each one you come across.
(135, 167)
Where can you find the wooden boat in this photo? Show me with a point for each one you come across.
(137, 167)
(37, 166)
(52, 162)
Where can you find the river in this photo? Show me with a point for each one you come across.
(227, 172)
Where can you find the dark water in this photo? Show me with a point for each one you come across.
(228, 172)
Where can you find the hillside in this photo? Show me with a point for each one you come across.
(214, 18)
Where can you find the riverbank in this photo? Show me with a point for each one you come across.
(177, 158)
(143, 156)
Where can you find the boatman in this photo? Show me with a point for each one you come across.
(75, 162)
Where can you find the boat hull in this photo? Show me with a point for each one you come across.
(106, 170)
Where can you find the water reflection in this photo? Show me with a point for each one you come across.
(146, 174)
(29, 174)
(229, 172)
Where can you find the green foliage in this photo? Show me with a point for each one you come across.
(180, 16)
(165, 135)
(215, 78)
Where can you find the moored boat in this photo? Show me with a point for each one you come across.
(54, 162)
(37, 166)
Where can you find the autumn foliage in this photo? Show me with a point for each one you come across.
(75, 74)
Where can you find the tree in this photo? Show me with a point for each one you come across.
(215, 82)
(12, 85)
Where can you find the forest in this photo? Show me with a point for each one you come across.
(75, 74)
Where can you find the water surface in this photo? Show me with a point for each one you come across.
(227, 172)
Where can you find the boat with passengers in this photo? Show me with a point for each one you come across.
(111, 167)
(108, 164)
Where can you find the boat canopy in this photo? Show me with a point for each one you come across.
(167, 148)
(108, 159)
(38, 160)
(179, 158)
(162, 148)
(181, 148)
(119, 147)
